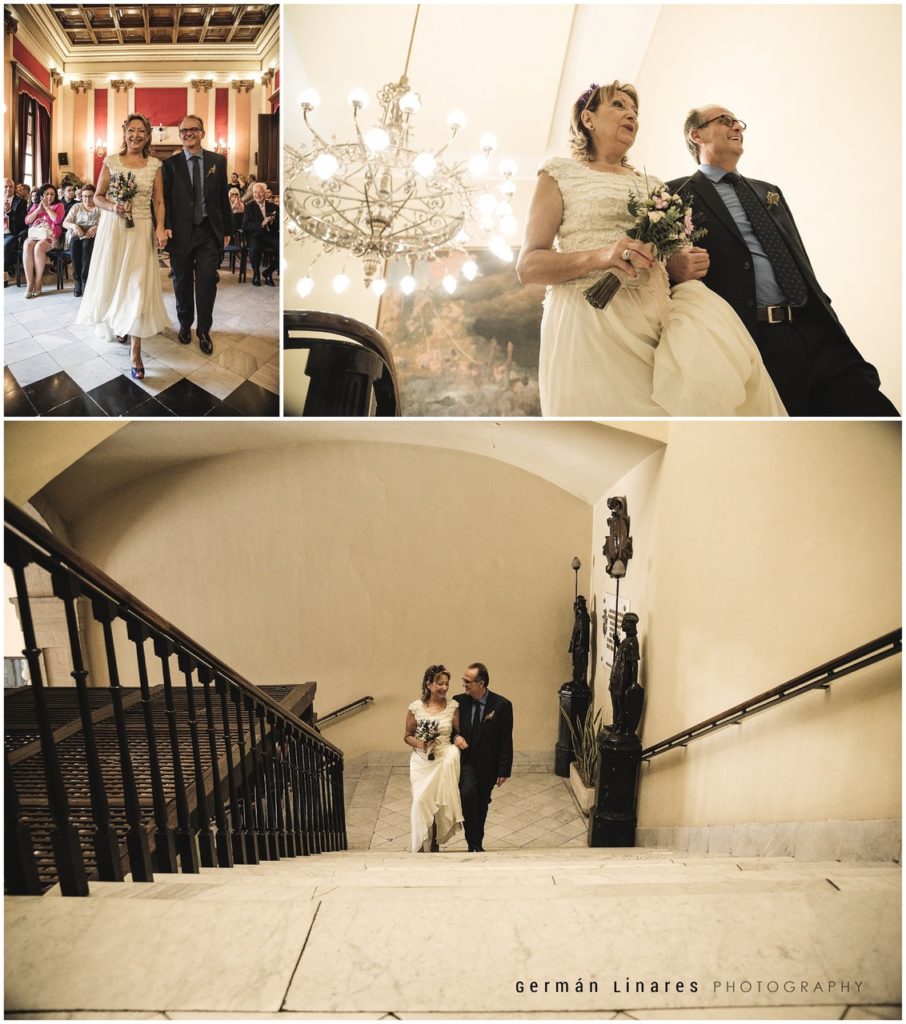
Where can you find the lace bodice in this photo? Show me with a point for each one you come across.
(443, 718)
(144, 179)
(594, 207)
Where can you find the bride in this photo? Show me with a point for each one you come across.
(123, 295)
(434, 763)
(651, 351)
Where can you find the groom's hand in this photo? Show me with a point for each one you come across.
(501, 780)
(688, 265)
(163, 236)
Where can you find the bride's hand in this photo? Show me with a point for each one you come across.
(630, 256)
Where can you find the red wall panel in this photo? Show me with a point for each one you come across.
(221, 117)
(31, 63)
(100, 125)
(161, 106)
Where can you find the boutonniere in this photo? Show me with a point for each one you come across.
(773, 198)
(212, 170)
(489, 716)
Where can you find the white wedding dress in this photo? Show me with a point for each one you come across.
(123, 294)
(653, 350)
(435, 784)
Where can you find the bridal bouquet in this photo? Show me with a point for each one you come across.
(661, 218)
(122, 189)
(427, 729)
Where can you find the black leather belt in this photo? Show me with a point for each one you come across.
(775, 314)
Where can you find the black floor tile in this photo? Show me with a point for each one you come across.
(80, 406)
(16, 403)
(151, 408)
(253, 400)
(118, 397)
(9, 381)
(222, 409)
(184, 398)
(49, 392)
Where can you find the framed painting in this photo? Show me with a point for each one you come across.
(472, 353)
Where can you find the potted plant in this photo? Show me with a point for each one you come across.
(583, 771)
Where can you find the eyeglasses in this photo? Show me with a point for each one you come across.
(726, 121)
(189, 131)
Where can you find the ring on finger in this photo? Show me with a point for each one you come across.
(627, 255)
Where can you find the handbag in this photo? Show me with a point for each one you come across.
(41, 232)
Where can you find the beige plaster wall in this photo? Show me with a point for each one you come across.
(775, 548)
(810, 81)
(357, 565)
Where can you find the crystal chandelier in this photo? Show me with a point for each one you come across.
(379, 197)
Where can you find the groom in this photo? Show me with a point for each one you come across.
(485, 741)
(199, 223)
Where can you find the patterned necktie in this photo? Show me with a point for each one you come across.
(197, 211)
(785, 270)
(476, 714)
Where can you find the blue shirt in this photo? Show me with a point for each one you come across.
(189, 158)
(767, 291)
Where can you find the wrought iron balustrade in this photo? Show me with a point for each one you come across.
(202, 769)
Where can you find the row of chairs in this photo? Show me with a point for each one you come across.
(60, 260)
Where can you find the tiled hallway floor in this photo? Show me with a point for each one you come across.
(534, 809)
(55, 368)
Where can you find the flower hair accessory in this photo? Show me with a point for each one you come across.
(587, 95)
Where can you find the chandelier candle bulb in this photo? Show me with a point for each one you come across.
(358, 99)
(487, 143)
(340, 283)
(411, 103)
(469, 270)
(408, 285)
(456, 120)
(507, 168)
(309, 100)
(378, 286)
(425, 164)
(304, 287)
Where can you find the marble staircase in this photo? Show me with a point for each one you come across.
(521, 933)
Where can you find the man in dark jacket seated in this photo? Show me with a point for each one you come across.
(262, 232)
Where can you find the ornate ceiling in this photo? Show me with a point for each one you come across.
(158, 24)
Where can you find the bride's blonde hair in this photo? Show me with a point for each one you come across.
(146, 149)
(581, 146)
(432, 672)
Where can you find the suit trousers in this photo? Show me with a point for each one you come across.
(476, 798)
(195, 277)
(258, 243)
(10, 250)
(815, 372)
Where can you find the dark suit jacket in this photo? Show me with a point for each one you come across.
(18, 209)
(179, 198)
(731, 273)
(491, 745)
(252, 219)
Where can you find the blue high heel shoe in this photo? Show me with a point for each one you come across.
(138, 372)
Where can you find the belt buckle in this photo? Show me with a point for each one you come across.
(779, 309)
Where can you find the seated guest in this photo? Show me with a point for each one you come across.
(45, 228)
(14, 210)
(22, 192)
(236, 203)
(234, 179)
(34, 196)
(250, 184)
(262, 232)
(68, 197)
(82, 223)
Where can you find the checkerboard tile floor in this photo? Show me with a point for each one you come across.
(534, 809)
(52, 367)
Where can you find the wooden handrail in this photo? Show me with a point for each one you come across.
(386, 388)
(345, 709)
(817, 678)
(64, 555)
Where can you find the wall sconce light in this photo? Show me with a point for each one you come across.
(122, 84)
(221, 147)
(202, 84)
(160, 134)
(100, 149)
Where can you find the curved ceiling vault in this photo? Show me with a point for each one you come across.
(583, 458)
